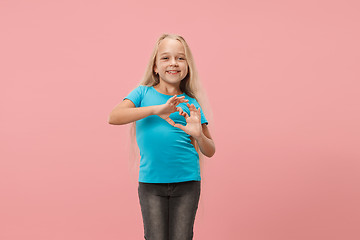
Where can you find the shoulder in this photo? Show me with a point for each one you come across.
(142, 89)
(145, 88)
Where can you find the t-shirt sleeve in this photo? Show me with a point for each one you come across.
(203, 118)
(135, 96)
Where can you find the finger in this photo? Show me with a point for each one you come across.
(196, 111)
(192, 108)
(183, 100)
(170, 121)
(182, 112)
(178, 101)
(175, 98)
(170, 100)
(179, 109)
(199, 112)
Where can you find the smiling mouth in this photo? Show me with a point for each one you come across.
(172, 72)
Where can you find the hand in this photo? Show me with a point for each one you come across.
(169, 107)
(193, 126)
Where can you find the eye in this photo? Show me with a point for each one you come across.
(164, 58)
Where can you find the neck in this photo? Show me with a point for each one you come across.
(168, 89)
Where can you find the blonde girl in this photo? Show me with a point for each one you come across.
(172, 133)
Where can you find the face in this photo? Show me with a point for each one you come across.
(171, 62)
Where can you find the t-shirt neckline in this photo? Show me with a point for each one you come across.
(167, 94)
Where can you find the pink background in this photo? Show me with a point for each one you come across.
(283, 82)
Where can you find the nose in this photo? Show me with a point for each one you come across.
(173, 62)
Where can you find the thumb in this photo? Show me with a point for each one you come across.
(179, 126)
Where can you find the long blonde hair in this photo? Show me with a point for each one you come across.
(190, 85)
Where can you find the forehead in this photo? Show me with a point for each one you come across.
(169, 45)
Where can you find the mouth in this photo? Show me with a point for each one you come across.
(172, 72)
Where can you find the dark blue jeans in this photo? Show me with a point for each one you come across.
(169, 209)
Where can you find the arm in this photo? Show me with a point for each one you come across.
(205, 142)
(197, 131)
(126, 112)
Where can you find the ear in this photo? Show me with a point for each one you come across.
(155, 68)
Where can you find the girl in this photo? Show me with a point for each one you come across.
(171, 130)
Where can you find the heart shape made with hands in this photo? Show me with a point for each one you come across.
(193, 122)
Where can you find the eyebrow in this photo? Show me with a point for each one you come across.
(168, 52)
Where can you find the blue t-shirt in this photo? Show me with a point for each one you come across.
(166, 152)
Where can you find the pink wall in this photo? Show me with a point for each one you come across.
(283, 81)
